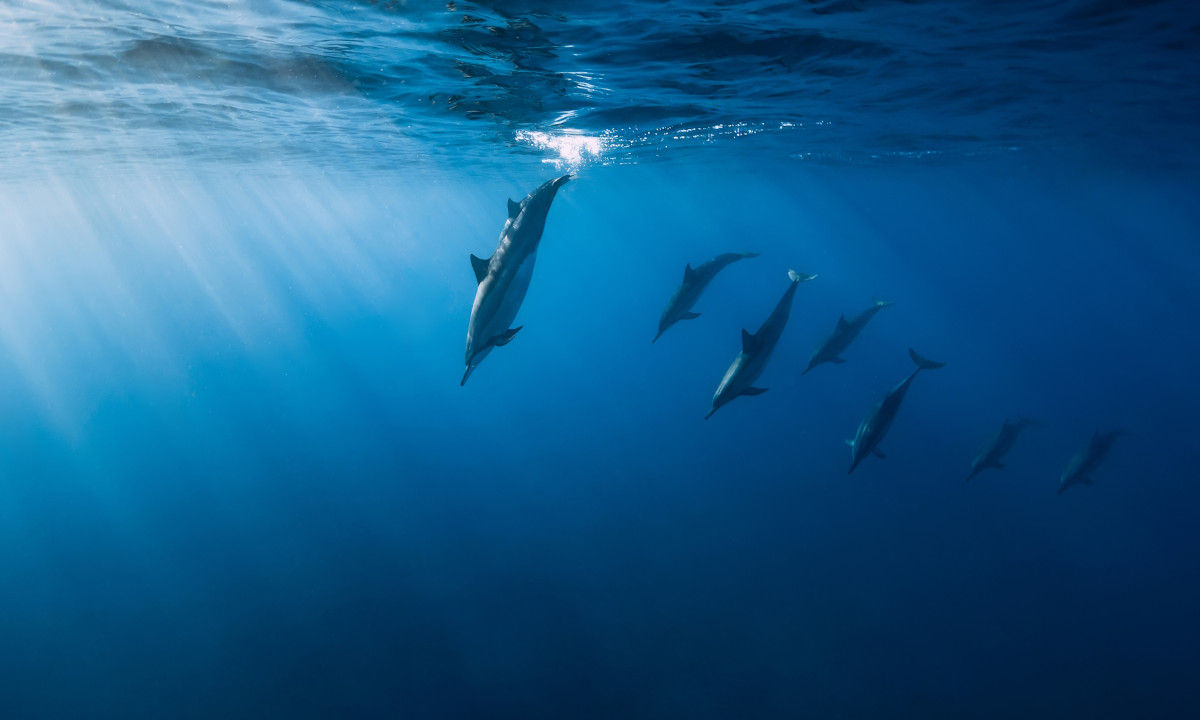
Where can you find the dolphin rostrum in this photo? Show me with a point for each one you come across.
(832, 348)
(756, 350)
(877, 422)
(695, 280)
(1080, 468)
(999, 446)
(504, 277)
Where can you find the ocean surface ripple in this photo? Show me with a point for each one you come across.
(382, 82)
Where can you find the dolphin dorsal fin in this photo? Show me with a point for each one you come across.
(688, 273)
(842, 322)
(514, 208)
(747, 340)
(480, 266)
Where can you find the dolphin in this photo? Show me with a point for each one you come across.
(1088, 459)
(831, 349)
(877, 422)
(756, 350)
(999, 446)
(504, 277)
(695, 280)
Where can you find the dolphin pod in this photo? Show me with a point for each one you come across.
(695, 280)
(843, 334)
(504, 277)
(756, 350)
(875, 425)
(503, 280)
(998, 446)
(1079, 470)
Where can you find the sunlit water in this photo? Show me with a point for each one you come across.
(238, 476)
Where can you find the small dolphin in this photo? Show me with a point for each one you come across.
(999, 446)
(831, 349)
(756, 350)
(877, 422)
(1088, 459)
(695, 280)
(504, 277)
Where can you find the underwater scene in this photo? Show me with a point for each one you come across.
(531, 359)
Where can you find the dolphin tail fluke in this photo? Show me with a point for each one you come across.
(924, 363)
(799, 277)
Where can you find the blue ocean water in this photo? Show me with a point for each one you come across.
(240, 477)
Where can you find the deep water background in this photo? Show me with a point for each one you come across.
(241, 478)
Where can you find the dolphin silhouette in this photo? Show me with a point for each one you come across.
(875, 425)
(695, 280)
(998, 446)
(1085, 462)
(756, 350)
(843, 334)
(504, 277)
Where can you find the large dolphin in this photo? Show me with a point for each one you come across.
(831, 349)
(695, 280)
(877, 422)
(1080, 468)
(756, 350)
(504, 277)
(998, 446)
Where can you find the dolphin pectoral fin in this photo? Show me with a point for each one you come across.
(514, 208)
(505, 337)
(850, 443)
(480, 266)
(688, 273)
(691, 316)
(754, 391)
(747, 341)
(837, 360)
(879, 454)
(842, 322)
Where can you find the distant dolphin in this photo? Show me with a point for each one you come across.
(831, 349)
(756, 350)
(504, 277)
(999, 446)
(695, 280)
(1088, 459)
(873, 427)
